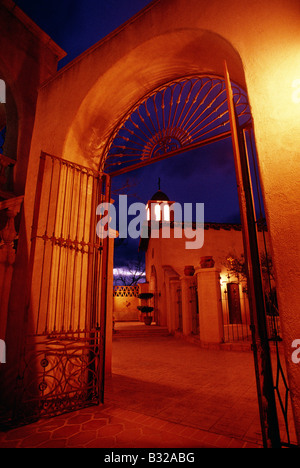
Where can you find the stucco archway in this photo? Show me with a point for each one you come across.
(153, 63)
(80, 107)
(182, 53)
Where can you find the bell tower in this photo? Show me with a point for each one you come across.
(159, 207)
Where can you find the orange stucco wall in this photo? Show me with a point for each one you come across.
(217, 242)
(79, 108)
(170, 255)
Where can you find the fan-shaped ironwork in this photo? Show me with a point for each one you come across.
(174, 117)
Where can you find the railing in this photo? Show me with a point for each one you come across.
(240, 330)
(126, 291)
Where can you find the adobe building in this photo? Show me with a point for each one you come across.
(68, 121)
(196, 290)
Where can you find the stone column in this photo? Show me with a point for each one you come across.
(174, 318)
(187, 319)
(210, 307)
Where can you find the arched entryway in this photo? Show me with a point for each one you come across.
(198, 111)
(193, 112)
(185, 53)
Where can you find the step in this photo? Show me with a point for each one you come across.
(140, 331)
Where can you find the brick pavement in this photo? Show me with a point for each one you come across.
(109, 426)
(209, 389)
(163, 393)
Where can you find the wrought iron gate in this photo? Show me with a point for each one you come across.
(266, 388)
(62, 363)
(234, 305)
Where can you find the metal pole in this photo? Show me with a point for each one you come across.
(104, 291)
(261, 350)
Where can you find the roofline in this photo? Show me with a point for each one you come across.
(13, 8)
(143, 244)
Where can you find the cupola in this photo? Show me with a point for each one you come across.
(159, 207)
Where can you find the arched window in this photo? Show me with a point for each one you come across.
(166, 213)
(172, 118)
(157, 212)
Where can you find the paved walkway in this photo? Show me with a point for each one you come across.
(113, 427)
(164, 392)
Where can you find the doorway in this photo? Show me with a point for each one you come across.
(182, 115)
(185, 114)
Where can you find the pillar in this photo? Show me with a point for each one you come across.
(210, 307)
(174, 322)
(187, 319)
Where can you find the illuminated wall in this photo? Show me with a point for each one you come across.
(220, 242)
(78, 109)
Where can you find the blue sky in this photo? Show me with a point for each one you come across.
(78, 24)
(205, 175)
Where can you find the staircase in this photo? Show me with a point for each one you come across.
(138, 330)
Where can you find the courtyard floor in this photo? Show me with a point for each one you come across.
(164, 392)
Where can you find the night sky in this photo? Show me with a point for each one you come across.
(205, 175)
(76, 25)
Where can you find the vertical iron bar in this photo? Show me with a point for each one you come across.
(89, 246)
(76, 249)
(274, 324)
(60, 245)
(101, 197)
(44, 249)
(261, 350)
(83, 245)
(68, 251)
(104, 291)
(90, 294)
(94, 257)
(90, 287)
(52, 247)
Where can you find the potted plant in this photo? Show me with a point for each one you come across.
(144, 308)
(189, 270)
(207, 262)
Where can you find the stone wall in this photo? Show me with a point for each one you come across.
(125, 303)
